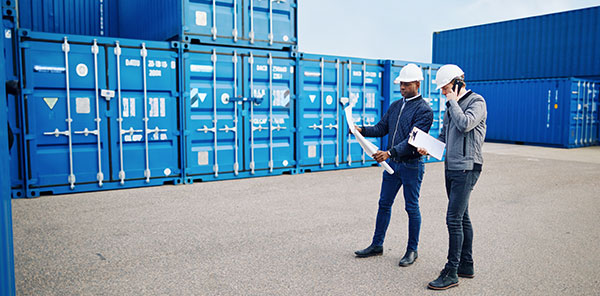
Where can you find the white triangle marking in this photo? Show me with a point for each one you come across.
(202, 97)
(312, 98)
(50, 102)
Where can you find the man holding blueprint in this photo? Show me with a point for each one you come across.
(406, 163)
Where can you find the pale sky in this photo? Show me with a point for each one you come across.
(402, 30)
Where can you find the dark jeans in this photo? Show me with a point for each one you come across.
(410, 174)
(459, 185)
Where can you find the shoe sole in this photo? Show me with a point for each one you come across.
(442, 288)
(469, 276)
(366, 256)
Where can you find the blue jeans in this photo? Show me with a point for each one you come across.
(459, 185)
(410, 174)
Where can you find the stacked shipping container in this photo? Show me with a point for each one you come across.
(229, 97)
(525, 69)
(563, 44)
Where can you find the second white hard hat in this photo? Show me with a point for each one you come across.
(409, 73)
(446, 74)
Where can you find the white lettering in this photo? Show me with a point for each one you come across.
(280, 69)
(312, 74)
(263, 68)
(258, 93)
(48, 69)
(155, 73)
(370, 100)
(132, 62)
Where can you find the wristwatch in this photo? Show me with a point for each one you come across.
(389, 153)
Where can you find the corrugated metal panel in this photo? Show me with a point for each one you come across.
(82, 17)
(239, 113)
(323, 81)
(564, 44)
(99, 117)
(7, 262)
(248, 23)
(427, 90)
(554, 112)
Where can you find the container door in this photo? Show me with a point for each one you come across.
(212, 113)
(65, 113)
(584, 113)
(321, 112)
(217, 20)
(270, 22)
(269, 117)
(363, 87)
(145, 125)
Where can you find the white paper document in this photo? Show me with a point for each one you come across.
(419, 138)
(369, 147)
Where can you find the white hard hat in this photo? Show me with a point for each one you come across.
(409, 73)
(446, 74)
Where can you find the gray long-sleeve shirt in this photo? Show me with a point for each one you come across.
(464, 131)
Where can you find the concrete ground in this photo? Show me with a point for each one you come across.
(536, 214)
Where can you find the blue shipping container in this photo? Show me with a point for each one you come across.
(427, 90)
(7, 262)
(249, 23)
(326, 85)
(552, 112)
(81, 17)
(239, 113)
(100, 113)
(563, 44)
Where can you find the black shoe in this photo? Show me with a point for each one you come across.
(465, 269)
(409, 258)
(446, 280)
(370, 251)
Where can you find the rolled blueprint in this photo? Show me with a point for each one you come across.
(366, 145)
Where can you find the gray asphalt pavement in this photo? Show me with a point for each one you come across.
(535, 211)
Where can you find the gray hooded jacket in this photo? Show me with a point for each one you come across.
(464, 131)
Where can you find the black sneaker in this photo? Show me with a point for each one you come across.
(446, 280)
(370, 251)
(465, 269)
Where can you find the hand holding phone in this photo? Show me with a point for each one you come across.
(457, 86)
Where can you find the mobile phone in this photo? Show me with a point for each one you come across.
(458, 84)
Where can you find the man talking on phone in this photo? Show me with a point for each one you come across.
(463, 132)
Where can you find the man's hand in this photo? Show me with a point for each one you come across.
(451, 95)
(381, 156)
(357, 128)
(422, 151)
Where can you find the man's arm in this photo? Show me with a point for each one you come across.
(378, 130)
(471, 117)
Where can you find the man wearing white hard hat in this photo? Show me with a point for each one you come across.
(399, 120)
(463, 132)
